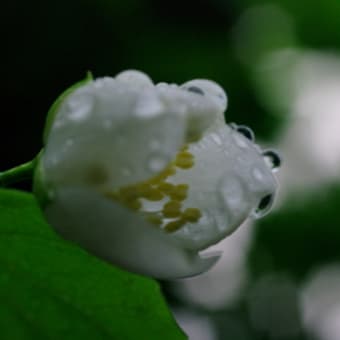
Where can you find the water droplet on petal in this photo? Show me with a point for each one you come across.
(264, 206)
(231, 192)
(239, 140)
(258, 175)
(80, 107)
(149, 106)
(157, 162)
(221, 222)
(273, 159)
(196, 90)
(246, 132)
(216, 138)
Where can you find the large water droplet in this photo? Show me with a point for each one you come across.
(246, 132)
(264, 206)
(196, 90)
(273, 159)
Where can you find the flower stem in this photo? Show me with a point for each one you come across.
(17, 174)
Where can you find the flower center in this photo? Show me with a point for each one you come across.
(159, 192)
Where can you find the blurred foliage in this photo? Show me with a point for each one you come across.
(51, 289)
(317, 22)
(298, 238)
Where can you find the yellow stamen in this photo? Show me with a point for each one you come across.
(154, 219)
(166, 188)
(174, 225)
(172, 209)
(191, 215)
(134, 204)
(156, 189)
(153, 195)
(163, 175)
(180, 192)
(184, 160)
(128, 193)
(145, 190)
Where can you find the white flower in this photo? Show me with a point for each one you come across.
(147, 176)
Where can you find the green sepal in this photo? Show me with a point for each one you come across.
(55, 106)
(41, 190)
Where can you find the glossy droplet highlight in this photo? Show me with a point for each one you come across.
(264, 206)
(216, 138)
(157, 162)
(80, 107)
(196, 89)
(257, 173)
(239, 140)
(273, 159)
(246, 132)
(231, 192)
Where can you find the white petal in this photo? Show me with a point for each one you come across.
(121, 237)
(111, 133)
(227, 183)
(135, 78)
(201, 111)
(209, 89)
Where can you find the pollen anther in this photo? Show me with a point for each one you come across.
(184, 160)
(179, 192)
(157, 189)
(191, 214)
(175, 225)
(172, 209)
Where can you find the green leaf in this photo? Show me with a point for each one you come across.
(51, 289)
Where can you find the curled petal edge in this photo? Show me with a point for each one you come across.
(121, 237)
